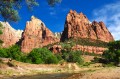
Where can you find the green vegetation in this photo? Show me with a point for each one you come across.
(41, 55)
(86, 42)
(37, 56)
(112, 55)
(12, 52)
(71, 56)
(1, 33)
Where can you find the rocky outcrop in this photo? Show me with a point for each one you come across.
(36, 35)
(56, 49)
(90, 49)
(10, 36)
(58, 34)
(78, 26)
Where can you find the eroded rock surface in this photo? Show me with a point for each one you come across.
(78, 26)
(10, 36)
(36, 35)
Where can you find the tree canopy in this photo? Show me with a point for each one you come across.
(113, 52)
(9, 8)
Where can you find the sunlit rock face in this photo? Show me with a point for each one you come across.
(10, 36)
(78, 26)
(91, 49)
(36, 35)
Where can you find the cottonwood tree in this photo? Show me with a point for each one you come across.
(9, 8)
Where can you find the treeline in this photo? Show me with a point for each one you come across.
(40, 55)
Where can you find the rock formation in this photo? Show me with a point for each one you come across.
(58, 35)
(36, 35)
(78, 26)
(56, 49)
(90, 49)
(10, 36)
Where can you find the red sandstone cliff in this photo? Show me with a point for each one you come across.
(90, 49)
(10, 36)
(36, 35)
(78, 26)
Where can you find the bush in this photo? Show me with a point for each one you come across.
(12, 52)
(113, 53)
(3, 53)
(42, 55)
(86, 41)
(72, 56)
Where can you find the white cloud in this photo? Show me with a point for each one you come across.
(110, 15)
(52, 13)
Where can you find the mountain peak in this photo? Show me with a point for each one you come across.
(77, 25)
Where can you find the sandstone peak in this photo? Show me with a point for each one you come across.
(77, 25)
(36, 35)
(33, 17)
(10, 36)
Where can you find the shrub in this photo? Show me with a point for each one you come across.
(72, 56)
(3, 53)
(12, 52)
(113, 53)
(42, 55)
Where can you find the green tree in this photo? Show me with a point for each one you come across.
(1, 33)
(9, 8)
(41, 55)
(72, 56)
(113, 52)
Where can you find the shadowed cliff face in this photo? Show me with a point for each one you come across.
(78, 26)
(10, 36)
(36, 35)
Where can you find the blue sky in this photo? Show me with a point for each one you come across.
(54, 17)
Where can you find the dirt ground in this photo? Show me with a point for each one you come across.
(105, 73)
(21, 70)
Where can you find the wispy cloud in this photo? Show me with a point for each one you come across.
(58, 10)
(52, 13)
(110, 14)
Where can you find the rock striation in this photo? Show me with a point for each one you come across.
(10, 36)
(90, 49)
(36, 35)
(78, 26)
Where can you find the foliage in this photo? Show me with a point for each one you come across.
(42, 55)
(9, 8)
(113, 52)
(37, 56)
(86, 41)
(1, 33)
(53, 2)
(91, 54)
(12, 52)
(72, 56)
